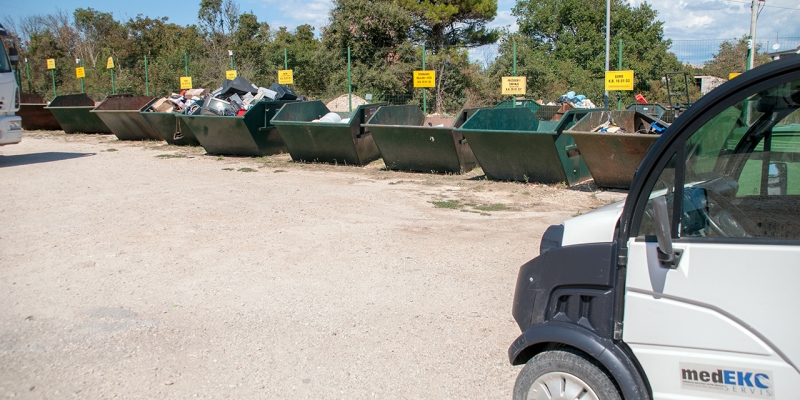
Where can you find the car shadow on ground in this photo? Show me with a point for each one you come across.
(37, 158)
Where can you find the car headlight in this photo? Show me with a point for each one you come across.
(15, 125)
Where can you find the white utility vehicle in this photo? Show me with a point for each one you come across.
(686, 289)
(10, 124)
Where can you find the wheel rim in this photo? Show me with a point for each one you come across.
(560, 386)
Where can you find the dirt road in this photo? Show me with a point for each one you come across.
(141, 270)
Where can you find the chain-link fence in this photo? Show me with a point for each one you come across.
(465, 77)
(699, 52)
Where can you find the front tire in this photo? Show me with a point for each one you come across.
(564, 374)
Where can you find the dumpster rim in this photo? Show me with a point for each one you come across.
(89, 107)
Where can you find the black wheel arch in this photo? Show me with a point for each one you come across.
(614, 356)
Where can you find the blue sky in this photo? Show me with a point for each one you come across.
(684, 19)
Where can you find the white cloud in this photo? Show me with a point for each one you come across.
(721, 19)
(699, 21)
(504, 19)
(292, 13)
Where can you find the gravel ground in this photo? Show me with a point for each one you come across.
(142, 270)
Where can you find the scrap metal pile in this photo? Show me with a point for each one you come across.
(234, 98)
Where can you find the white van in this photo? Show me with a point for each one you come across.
(10, 124)
(685, 290)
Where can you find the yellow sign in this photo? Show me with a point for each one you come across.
(80, 72)
(51, 63)
(285, 77)
(733, 75)
(619, 80)
(110, 63)
(514, 85)
(186, 82)
(230, 74)
(424, 79)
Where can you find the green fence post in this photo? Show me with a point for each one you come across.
(286, 59)
(349, 83)
(230, 54)
(146, 78)
(28, 74)
(53, 74)
(113, 88)
(424, 90)
(514, 98)
(186, 62)
(619, 68)
(83, 86)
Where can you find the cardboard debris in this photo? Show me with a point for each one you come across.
(163, 105)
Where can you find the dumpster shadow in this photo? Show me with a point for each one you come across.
(37, 158)
(591, 187)
(479, 178)
(585, 186)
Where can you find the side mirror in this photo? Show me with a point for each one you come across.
(776, 179)
(668, 257)
(13, 56)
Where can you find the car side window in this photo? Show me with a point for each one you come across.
(742, 170)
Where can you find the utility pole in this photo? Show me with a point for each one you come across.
(751, 43)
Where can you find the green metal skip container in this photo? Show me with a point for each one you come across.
(408, 141)
(173, 129)
(251, 134)
(34, 115)
(512, 144)
(123, 115)
(612, 158)
(329, 142)
(72, 111)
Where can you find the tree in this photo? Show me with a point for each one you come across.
(98, 32)
(732, 57)
(562, 47)
(447, 23)
(447, 28)
(377, 34)
(302, 50)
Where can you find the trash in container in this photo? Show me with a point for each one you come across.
(249, 134)
(614, 143)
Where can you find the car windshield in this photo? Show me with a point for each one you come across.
(5, 64)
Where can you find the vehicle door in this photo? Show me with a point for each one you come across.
(720, 320)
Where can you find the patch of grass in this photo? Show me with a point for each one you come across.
(431, 183)
(111, 149)
(220, 158)
(245, 169)
(492, 207)
(279, 170)
(526, 192)
(227, 169)
(451, 204)
(171, 156)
